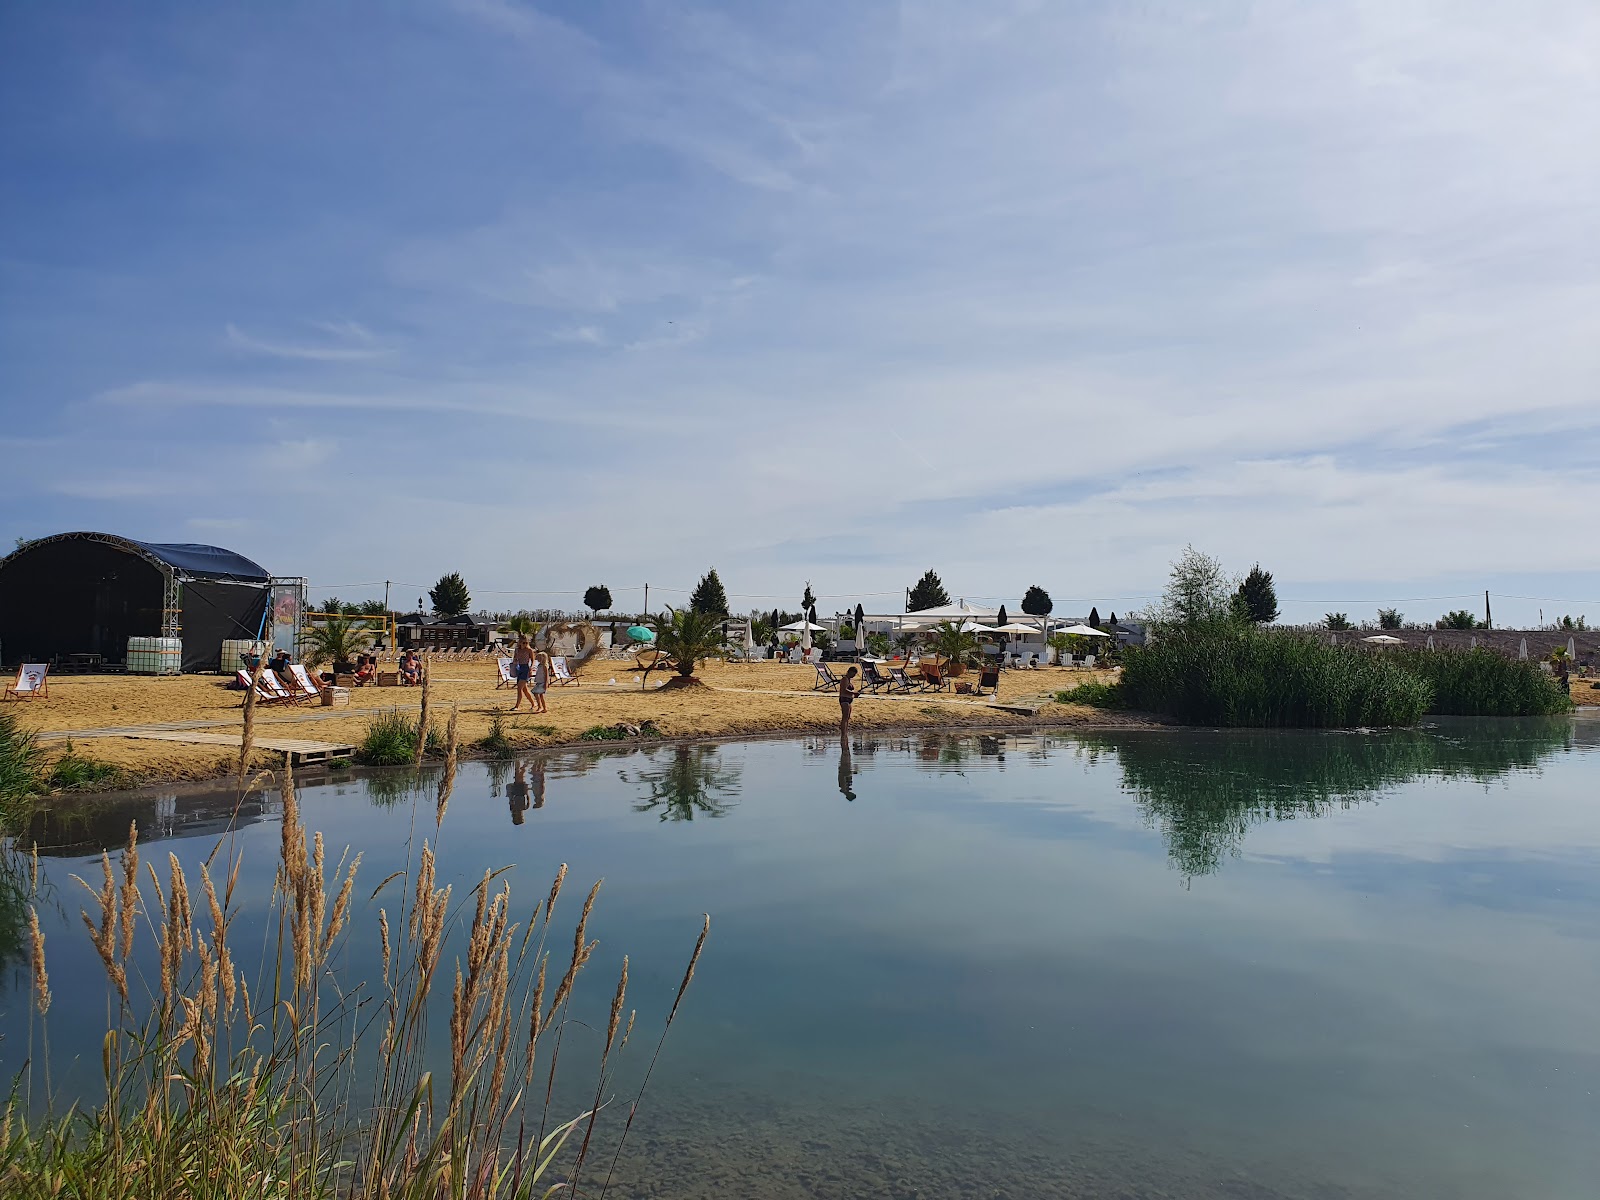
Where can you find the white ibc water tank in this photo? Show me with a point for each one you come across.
(155, 656)
(232, 648)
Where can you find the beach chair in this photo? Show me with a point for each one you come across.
(827, 681)
(989, 680)
(874, 676)
(902, 681)
(558, 667)
(269, 688)
(1088, 662)
(32, 683)
(934, 678)
(300, 683)
(507, 679)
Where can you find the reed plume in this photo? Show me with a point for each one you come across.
(41, 976)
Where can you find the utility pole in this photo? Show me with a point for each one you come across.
(386, 596)
(1487, 622)
(647, 599)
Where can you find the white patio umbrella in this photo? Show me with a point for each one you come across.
(1014, 627)
(1383, 639)
(797, 626)
(1084, 631)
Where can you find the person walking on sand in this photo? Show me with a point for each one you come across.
(848, 691)
(542, 671)
(522, 670)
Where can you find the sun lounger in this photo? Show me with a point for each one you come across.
(827, 681)
(507, 679)
(558, 666)
(301, 684)
(32, 683)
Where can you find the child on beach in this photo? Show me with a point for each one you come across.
(542, 671)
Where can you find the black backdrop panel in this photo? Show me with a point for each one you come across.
(213, 611)
(77, 597)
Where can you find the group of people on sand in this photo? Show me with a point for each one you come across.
(532, 670)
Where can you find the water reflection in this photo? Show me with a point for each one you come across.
(846, 771)
(520, 794)
(693, 780)
(1204, 793)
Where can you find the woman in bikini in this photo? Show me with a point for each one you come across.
(848, 691)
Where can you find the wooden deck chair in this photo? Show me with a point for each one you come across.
(507, 679)
(827, 681)
(32, 683)
(558, 670)
(989, 678)
(301, 684)
(934, 678)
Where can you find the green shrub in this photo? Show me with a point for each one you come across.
(1095, 695)
(495, 741)
(391, 740)
(1224, 673)
(1481, 683)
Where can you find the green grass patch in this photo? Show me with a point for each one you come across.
(74, 772)
(20, 773)
(495, 741)
(1094, 694)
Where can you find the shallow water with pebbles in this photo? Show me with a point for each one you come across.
(1147, 963)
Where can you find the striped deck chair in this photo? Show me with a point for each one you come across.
(269, 689)
(32, 683)
(827, 681)
(301, 684)
(558, 667)
(507, 679)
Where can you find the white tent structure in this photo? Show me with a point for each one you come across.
(1084, 631)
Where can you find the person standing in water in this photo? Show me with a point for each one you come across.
(542, 671)
(522, 671)
(848, 691)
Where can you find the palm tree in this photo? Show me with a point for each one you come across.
(334, 639)
(524, 625)
(687, 636)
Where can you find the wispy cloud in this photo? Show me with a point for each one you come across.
(352, 343)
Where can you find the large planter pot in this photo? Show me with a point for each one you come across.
(955, 669)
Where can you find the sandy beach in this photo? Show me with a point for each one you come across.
(757, 699)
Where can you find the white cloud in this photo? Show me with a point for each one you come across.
(353, 344)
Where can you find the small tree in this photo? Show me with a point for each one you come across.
(1197, 590)
(449, 596)
(598, 598)
(1390, 618)
(709, 596)
(335, 640)
(1258, 597)
(1337, 621)
(808, 601)
(929, 593)
(1112, 619)
(1461, 618)
(374, 608)
(954, 644)
(1036, 602)
(1094, 618)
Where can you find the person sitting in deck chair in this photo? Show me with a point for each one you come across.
(410, 669)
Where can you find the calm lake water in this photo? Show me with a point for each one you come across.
(1129, 964)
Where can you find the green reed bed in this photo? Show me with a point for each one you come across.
(1223, 673)
(1227, 674)
(1481, 683)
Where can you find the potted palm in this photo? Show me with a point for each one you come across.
(958, 648)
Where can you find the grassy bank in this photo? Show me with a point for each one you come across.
(1235, 675)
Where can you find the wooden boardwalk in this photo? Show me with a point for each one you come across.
(298, 750)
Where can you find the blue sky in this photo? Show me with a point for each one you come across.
(1029, 293)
